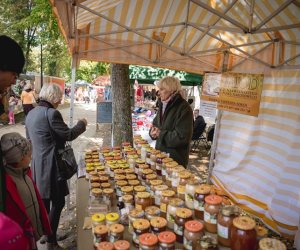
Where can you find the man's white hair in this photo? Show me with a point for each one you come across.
(170, 83)
(51, 93)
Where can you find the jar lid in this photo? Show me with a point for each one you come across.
(161, 187)
(105, 245)
(117, 155)
(147, 172)
(143, 166)
(105, 185)
(143, 195)
(192, 182)
(127, 189)
(127, 197)
(229, 210)
(101, 229)
(119, 171)
(122, 245)
(244, 223)
(140, 161)
(98, 217)
(171, 164)
(203, 189)
(156, 182)
(94, 173)
(95, 185)
(133, 182)
(112, 216)
(129, 171)
(261, 231)
(193, 226)
(152, 210)
(120, 177)
(158, 222)
(96, 191)
(101, 173)
(132, 156)
(166, 160)
(184, 174)
(108, 190)
(139, 188)
(141, 224)
(168, 193)
(95, 178)
(151, 176)
(271, 244)
(176, 202)
(137, 213)
(116, 228)
(184, 213)
(162, 155)
(121, 183)
(167, 237)
(148, 239)
(208, 241)
(99, 167)
(178, 169)
(213, 199)
(110, 160)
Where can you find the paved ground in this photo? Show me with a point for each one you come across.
(90, 138)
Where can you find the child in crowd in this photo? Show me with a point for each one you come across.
(23, 203)
(11, 115)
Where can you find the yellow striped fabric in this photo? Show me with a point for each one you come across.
(258, 158)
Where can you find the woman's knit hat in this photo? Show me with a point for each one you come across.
(14, 147)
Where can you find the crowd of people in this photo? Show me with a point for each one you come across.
(31, 198)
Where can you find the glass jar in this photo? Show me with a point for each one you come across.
(143, 200)
(134, 183)
(224, 223)
(164, 167)
(119, 185)
(112, 169)
(199, 200)
(154, 183)
(105, 245)
(153, 159)
(175, 176)
(129, 171)
(94, 179)
(157, 194)
(261, 232)
(134, 214)
(190, 188)
(243, 234)
(184, 176)
(166, 195)
(120, 177)
(182, 216)
(116, 232)
(146, 172)
(131, 159)
(100, 233)
(169, 169)
(166, 240)
(96, 192)
(98, 219)
(122, 245)
(212, 207)
(158, 225)
(112, 218)
(150, 177)
(127, 190)
(159, 159)
(138, 162)
(119, 171)
(142, 167)
(174, 203)
(140, 226)
(130, 177)
(192, 233)
(152, 212)
(207, 242)
(128, 202)
(148, 241)
(108, 193)
(271, 244)
(138, 189)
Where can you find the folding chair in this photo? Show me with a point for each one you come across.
(201, 138)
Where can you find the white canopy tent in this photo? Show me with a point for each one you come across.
(257, 159)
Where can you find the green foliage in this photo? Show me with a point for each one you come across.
(90, 70)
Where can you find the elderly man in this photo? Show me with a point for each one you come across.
(199, 125)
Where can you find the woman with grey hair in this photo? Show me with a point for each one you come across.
(48, 133)
(173, 125)
(23, 203)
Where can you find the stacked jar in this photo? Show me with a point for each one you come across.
(131, 159)
(108, 194)
(157, 194)
(145, 173)
(190, 189)
(152, 212)
(164, 167)
(169, 169)
(167, 240)
(158, 225)
(112, 218)
(184, 176)
(138, 189)
(153, 159)
(133, 216)
(166, 195)
(271, 244)
(182, 216)
(212, 207)
(174, 203)
(128, 202)
(154, 183)
(138, 162)
(159, 161)
(141, 168)
(193, 231)
(122, 245)
(143, 200)
(199, 200)
(148, 241)
(149, 178)
(140, 226)
(207, 242)
(175, 176)
(116, 232)
(100, 233)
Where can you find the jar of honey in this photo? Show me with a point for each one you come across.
(148, 241)
(152, 212)
(112, 218)
(190, 189)
(134, 214)
(174, 203)
(182, 216)
(158, 225)
(100, 234)
(224, 221)
(166, 240)
(175, 176)
(139, 188)
(140, 226)
(154, 183)
(192, 233)
(159, 161)
(127, 190)
(271, 244)
(122, 245)
(207, 242)
(164, 167)
(212, 207)
(184, 176)
(166, 195)
(157, 195)
(116, 232)
(199, 200)
(105, 245)
(118, 186)
(169, 170)
(143, 200)
(243, 234)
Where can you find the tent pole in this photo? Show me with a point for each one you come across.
(73, 74)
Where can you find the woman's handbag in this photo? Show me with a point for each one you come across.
(66, 161)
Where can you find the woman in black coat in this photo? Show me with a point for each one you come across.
(48, 133)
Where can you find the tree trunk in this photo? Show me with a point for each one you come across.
(121, 108)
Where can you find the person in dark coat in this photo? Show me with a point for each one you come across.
(199, 125)
(48, 133)
(173, 125)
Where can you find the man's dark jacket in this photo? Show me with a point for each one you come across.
(176, 125)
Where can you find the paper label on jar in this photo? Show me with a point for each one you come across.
(158, 167)
(210, 218)
(170, 217)
(223, 231)
(199, 205)
(112, 174)
(114, 238)
(138, 206)
(189, 197)
(188, 244)
(132, 165)
(163, 207)
(118, 191)
(135, 237)
(174, 182)
(148, 161)
(181, 189)
(178, 229)
(163, 172)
